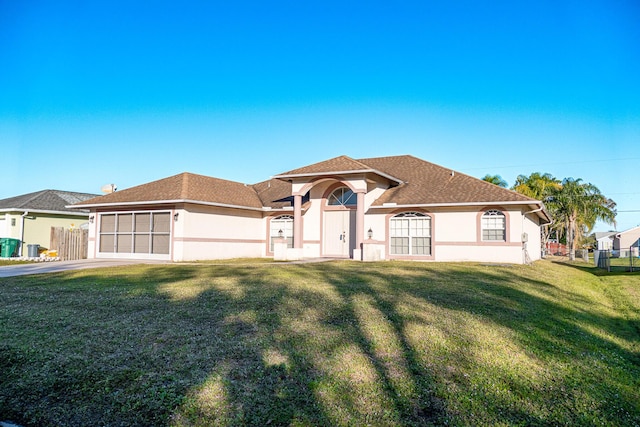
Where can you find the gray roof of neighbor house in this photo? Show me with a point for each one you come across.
(413, 182)
(601, 234)
(49, 201)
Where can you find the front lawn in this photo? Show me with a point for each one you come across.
(7, 261)
(337, 343)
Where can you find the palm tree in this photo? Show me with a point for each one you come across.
(537, 185)
(577, 206)
(540, 186)
(495, 179)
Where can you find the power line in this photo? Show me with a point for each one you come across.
(552, 164)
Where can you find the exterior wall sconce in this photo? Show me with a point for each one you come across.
(175, 217)
(91, 218)
(370, 233)
(280, 233)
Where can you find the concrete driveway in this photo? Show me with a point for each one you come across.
(56, 266)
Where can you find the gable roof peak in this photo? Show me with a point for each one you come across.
(336, 165)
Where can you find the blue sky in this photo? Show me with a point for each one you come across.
(129, 92)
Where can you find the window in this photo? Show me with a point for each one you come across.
(284, 223)
(493, 226)
(342, 197)
(410, 234)
(139, 233)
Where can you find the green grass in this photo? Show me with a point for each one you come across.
(11, 262)
(338, 343)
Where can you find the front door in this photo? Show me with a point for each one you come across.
(339, 233)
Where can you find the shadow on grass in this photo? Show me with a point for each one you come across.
(317, 344)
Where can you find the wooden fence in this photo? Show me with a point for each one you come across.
(70, 244)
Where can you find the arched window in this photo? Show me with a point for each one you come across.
(342, 197)
(410, 234)
(282, 223)
(493, 226)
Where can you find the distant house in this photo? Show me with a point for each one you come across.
(29, 217)
(605, 240)
(623, 240)
(398, 207)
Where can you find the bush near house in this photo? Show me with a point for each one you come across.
(339, 343)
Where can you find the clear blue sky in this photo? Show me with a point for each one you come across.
(128, 92)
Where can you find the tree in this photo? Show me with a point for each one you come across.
(495, 179)
(537, 185)
(577, 206)
(540, 186)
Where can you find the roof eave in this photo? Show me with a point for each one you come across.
(351, 172)
(45, 211)
(455, 204)
(167, 202)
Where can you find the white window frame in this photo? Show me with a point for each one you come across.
(490, 222)
(342, 196)
(284, 223)
(412, 227)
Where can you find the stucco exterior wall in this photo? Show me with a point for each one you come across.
(456, 235)
(6, 229)
(218, 233)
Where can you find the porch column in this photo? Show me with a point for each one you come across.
(297, 221)
(360, 219)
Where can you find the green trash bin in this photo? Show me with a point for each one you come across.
(8, 247)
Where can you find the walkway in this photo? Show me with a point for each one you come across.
(56, 266)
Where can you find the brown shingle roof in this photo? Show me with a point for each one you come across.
(337, 164)
(184, 186)
(274, 193)
(420, 183)
(428, 183)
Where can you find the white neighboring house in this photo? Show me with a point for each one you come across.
(398, 207)
(605, 240)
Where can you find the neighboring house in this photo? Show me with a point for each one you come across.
(397, 207)
(604, 240)
(624, 240)
(29, 217)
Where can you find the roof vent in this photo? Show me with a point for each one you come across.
(453, 173)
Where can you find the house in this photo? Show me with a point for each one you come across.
(398, 207)
(623, 241)
(29, 217)
(604, 240)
